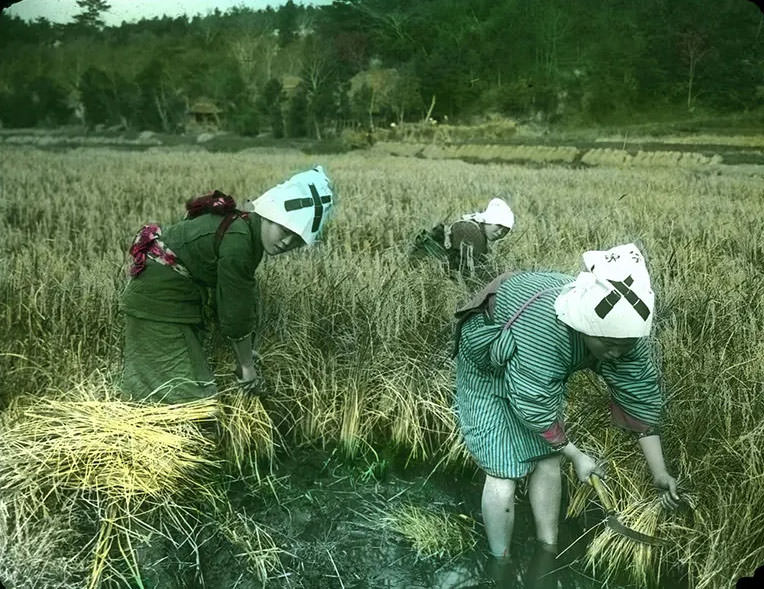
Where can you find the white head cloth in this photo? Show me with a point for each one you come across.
(612, 298)
(496, 213)
(302, 204)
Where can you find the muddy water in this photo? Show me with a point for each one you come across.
(325, 513)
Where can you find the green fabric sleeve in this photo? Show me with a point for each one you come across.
(634, 383)
(469, 233)
(469, 246)
(235, 288)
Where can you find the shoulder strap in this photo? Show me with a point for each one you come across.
(225, 223)
(485, 299)
(527, 304)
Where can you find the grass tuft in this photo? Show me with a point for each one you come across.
(432, 533)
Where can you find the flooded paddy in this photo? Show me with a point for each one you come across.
(328, 514)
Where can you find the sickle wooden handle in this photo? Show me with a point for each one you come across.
(601, 492)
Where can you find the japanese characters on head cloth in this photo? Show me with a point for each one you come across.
(497, 213)
(612, 297)
(302, 204)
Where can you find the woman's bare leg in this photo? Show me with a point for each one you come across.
(498, 513)
(545, 491)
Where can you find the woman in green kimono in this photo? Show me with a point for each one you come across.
(215, 248)
(519, 340)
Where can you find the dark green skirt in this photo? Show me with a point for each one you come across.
(165, 362)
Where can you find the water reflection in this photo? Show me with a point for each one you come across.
(543, 571)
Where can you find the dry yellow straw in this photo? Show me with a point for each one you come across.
(118, 455)
(117, 448)
(432, 533)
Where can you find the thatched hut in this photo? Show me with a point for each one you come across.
(203, 114)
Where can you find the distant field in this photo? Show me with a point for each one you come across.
(626, 152)
(697, 150)
(695, 139)
(357, 343)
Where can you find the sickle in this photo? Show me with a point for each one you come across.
(614, 523)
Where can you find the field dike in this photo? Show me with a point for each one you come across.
(541, 154)
(339, 477)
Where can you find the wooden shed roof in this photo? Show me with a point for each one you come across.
(204, 107)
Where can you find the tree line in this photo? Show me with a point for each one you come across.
(303, 71)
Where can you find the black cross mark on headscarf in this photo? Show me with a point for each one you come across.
(622, 289)
(316, 201)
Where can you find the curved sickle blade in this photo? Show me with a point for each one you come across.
(614, 524)
(612, 519)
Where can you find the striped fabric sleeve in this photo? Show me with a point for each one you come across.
(625, 421)
(635, 389)
(536, 394)
(537, 403)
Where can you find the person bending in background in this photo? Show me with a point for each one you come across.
(518, 341)
(215, 249)
(462, 246)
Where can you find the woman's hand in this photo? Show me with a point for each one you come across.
(245, 372)
(670, 497)
(249, 379)
(583, 464)
(586, 466)
(653, 451)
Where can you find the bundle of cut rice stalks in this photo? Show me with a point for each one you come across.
(124, 459)
(108, 446)
(431, 533)
(611, 555)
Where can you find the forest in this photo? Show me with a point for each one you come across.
(312, 71)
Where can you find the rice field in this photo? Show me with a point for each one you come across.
(355, 346)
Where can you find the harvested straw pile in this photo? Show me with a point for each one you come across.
(88, 451)
(108, 446)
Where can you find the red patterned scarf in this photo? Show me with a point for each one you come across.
(148, 245)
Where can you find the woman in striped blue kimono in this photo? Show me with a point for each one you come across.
(518, 341)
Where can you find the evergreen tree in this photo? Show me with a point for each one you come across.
(91, 13)
(287, 23)
(97, 97)
(297, 116)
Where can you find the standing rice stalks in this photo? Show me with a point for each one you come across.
(246, 432)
